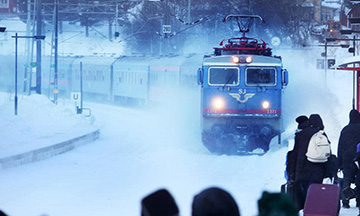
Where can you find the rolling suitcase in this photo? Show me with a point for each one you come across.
(322, 200)
(293, 190)
(289, 189)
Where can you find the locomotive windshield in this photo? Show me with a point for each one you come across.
(224, 76)
(260, 76)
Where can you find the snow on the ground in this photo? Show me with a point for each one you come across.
(39, 123)
(140, 151)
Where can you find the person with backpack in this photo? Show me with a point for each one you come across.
(349, 138)
(309, 170)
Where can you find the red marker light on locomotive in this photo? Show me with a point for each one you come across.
(248, 59)
(235, 59)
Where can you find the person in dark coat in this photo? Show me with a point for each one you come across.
(303, 122)
(159, 203)
(355, 173)
(214, 201)
(306, 172)
(349, 138)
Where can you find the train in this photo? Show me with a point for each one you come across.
(242, 86)
(124, 80)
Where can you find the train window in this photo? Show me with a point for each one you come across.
(255, 76)
(219, 76)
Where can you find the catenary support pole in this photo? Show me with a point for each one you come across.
(16, 68)
(38, 47)
(56, 87)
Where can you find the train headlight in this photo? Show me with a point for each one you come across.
(248, 59)
(265, 104)
(235, 59)
(218, 103)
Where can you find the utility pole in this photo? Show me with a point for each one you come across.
(166, 24)
(116, 17)
(189, 12)
(38, 47)
(27, 47)
(354, 74)
(16, 77)
(56, 89)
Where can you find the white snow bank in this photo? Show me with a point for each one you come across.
(39, 123)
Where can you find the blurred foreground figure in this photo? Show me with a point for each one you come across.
(2, 213)
(214, 202)
(159, 203)
(276, 204)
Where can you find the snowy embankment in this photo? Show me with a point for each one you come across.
(39, 123)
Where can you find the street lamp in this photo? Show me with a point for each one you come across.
(36, 37)
(326, 45)
(355, 20)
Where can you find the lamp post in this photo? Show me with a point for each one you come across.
(326, 45)
(355, 20)
(37, 37)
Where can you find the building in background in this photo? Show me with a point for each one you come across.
(8, 6)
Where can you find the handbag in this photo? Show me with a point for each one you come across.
(349, 193)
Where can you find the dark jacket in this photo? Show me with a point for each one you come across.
(291, 157)
(304, 169)
(355, 171)
(349, 138)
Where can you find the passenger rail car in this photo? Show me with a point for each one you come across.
(125, 80)
(241, 97)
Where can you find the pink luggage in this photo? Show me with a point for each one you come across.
(322, 200)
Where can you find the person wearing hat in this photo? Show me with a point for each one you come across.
(291, 156)
(159, 203)
(305, 171)
(349, 138)
(214, 201)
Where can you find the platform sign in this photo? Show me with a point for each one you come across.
(331, 63)
(320, 64)
(166, 29)
(76, 96)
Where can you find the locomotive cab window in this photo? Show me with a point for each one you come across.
(260, 76)
(219, 76)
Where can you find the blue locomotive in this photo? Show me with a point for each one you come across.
(241, 95)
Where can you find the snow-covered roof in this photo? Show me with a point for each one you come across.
(348, 62)
(13, 25)
(307, 4)
(332, 5)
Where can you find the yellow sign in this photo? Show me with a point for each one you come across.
(56, 91)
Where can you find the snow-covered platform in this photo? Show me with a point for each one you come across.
(40, 130)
